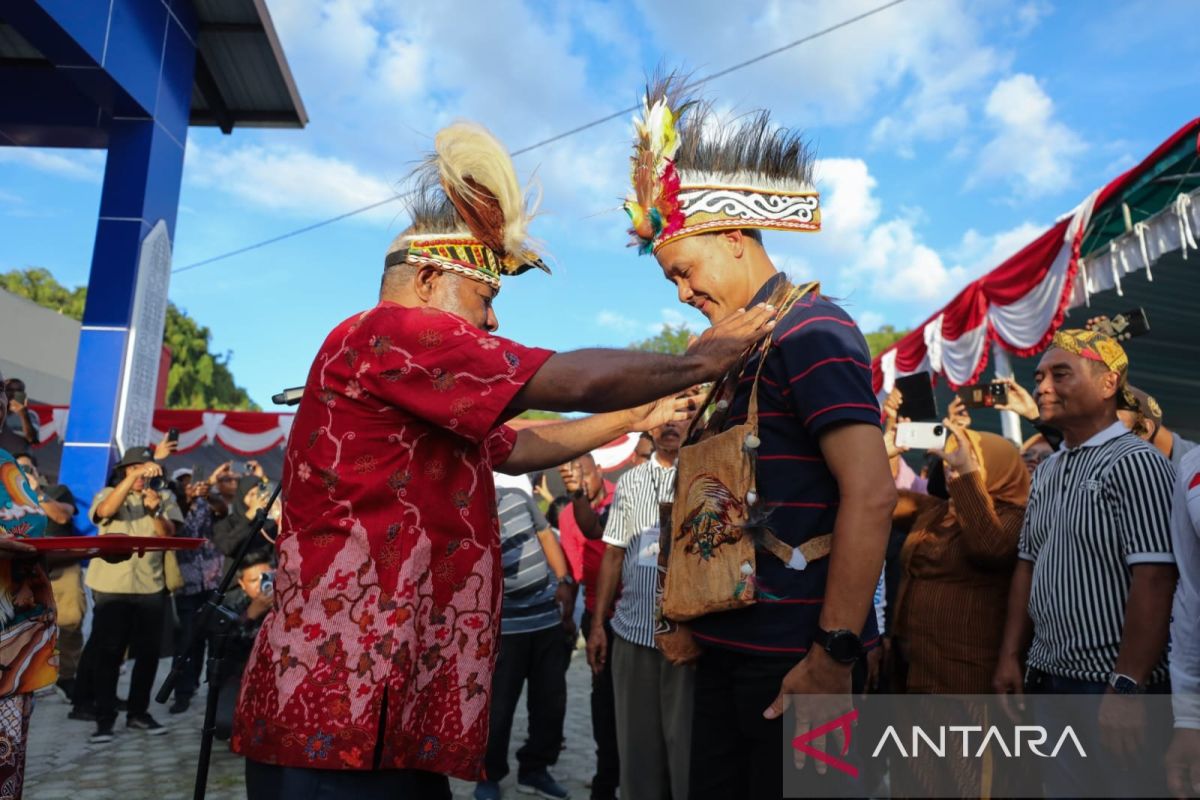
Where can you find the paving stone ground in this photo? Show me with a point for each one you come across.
(62, 765)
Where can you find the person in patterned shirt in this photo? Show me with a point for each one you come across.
(371, 675)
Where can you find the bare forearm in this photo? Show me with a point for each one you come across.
(607, 380)
(163, 527)
(606, 583)
(554, 554)
(112, 504)
(586, 518)
(57, 512)
(856, 456)
(1018, 627)
(550, 445)
(1147, 620)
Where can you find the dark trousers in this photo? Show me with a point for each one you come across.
(604, 723)
(271, 782)
(536, 658)
(186, 606)
(736, 752)
(121, 622)
(1068, 775)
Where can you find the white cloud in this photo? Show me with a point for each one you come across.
(614, 321)
(978, 253)
(290, 180)
(869, 320)
(84, 165)
(1030, 149)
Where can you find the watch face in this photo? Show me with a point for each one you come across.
(843, 646)
(1124, 685)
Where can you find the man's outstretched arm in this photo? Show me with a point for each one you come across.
(607, 380)
(547, 446)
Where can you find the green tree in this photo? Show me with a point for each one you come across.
(198, 379)
(531, 414)
(673, 340)
(883, 338)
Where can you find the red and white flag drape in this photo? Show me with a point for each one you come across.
(1021, 303)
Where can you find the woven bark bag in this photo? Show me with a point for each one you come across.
(715, 530)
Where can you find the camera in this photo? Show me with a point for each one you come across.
(157, 483)
(266, 583)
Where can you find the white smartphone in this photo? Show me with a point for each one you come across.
(921, 435)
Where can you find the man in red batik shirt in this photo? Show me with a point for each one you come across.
(371, 676)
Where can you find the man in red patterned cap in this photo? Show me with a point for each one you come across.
(371, 676)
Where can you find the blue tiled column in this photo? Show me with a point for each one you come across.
(141, 186)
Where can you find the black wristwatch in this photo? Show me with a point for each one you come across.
(843, 646)
(1123, 684)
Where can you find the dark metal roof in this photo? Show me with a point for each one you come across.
(242, 76)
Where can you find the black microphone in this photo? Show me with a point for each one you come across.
(288, 397)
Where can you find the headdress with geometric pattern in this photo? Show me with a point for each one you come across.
(693, 173)
(469, 213)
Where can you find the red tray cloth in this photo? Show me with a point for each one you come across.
(111, 544)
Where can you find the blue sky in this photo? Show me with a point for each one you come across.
(949, 133)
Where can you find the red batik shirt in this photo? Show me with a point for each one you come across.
(388, 586)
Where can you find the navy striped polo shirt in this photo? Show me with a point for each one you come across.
(529, 585)
(817, 374)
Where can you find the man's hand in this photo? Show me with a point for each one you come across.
(256, 500)
(17, 407)
(724, 343)
(151, 500)
(572, 477)
(660, 412)
(255, 469)
(11, 548)
(164, 448)
(33, 478)
(817, 674)
(1020, 401)
(891, 407)
(1122, 725)
(1183, 763)
(597, 648)
(147, 470)
(1009, 681)
(260, 605)
(564, 595)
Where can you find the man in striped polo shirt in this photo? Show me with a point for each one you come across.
(537, 587)
(1091, 594)
(653, 696)
(703, 189)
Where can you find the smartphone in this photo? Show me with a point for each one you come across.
(20, 397)
(266, 583)
(919, 402)
(921, 435)
(984, 395)
(173, 435)
(1126, 325)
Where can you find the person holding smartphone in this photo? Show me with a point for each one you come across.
(21, 422)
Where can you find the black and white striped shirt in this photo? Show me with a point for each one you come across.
(1094, 512)
(633, 526)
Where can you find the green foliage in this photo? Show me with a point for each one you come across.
(198, 379)
(883, 338)
(673, 340)
(540, 415)
(38, 285)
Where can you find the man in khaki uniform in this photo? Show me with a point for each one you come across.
(130, 597)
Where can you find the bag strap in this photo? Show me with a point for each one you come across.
(789, 300)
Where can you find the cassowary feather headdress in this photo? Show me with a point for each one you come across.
(469, 212)
(693, 173)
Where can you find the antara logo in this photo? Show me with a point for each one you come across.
(1031, 736)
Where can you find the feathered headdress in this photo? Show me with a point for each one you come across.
(469, 212)
(693, 173)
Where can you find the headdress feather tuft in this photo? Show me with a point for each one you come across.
(478, 177)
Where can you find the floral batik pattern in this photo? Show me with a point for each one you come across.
(388, 586)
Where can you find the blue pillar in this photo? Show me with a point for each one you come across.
(141, 186)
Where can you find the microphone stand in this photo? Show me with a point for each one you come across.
(215, 618)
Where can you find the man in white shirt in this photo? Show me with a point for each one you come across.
(1183, 757)
(653, 696)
